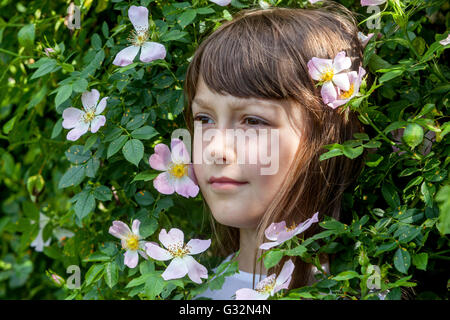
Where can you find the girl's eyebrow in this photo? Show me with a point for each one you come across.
(237, 105)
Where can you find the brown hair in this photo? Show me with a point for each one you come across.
(263, 53)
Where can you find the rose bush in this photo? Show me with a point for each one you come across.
(66, 195)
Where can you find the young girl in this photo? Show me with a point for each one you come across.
(252, 73)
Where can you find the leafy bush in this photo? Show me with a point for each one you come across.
(68, 193)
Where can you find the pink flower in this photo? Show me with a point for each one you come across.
(445, 41)
(372, 2)
(313, 1)
(279, 233)
(344, 96)
(268, 286)
(139, 36)
(49, 51)
(131, 241)
(221, 2)
(327, 72)
(182, 263)
(81, 120)
(178, 175)
(363, 38)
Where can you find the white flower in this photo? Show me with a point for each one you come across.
(81, 120)
(150, 50)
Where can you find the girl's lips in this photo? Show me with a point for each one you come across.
(227, 185)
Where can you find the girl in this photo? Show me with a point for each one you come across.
(252, 73)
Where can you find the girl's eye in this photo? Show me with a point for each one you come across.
(201, 118)
(255, 121)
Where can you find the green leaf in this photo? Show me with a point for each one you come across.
(186, 17)
(154, 285)
(391, 75)
(272, 258)
(48, 66)
(80, 85)
(144, 133)
(330, 154)
(146, 176)
(94, 273)
(73, 177)
(111, 274)
(26, 35)
(76, 155)
(297, 251)
(402, 260)
(63, 94)
(420, 260)
(85, 204)
(390, 195)
(133, 151)
(116, 145)
(346, 275)
(352, 153)
(102, 193)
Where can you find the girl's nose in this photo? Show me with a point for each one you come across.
(220, 149)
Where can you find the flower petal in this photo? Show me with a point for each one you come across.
(97, 122)
(126, 56)
(341, 62)
(80, 129)
(119, 230)
(186, 187)
(274, 229)
(156, 252)
(152, 51)
(250, 294)
(312, 70)
(372, 2)
(89, 99)
(101, 106)
(197, 246)
(284, 277)
(196, 271)
(322, 65)
(268, 245)
(306, 224)
(173, 237)
(179, 152)
(161, 159)
(176, 269)
(138, 17)
(71, 117)
(341, 80)
(328, 92)
(135, 227)
(131, 258)
(221, 2)
(164, 184)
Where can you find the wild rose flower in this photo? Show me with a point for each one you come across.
(131, 241)
(268, 286)
(149, 50)
(279, 233)
(328, 73)
(372, 2)
(363, 38)
(344, 96)
(182, 262)
(221, 2)
(445, 41)
(38, 243)
(178, 175)
(81, 121)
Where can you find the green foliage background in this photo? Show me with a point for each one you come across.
(398, 212)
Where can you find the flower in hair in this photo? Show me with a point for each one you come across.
(221, 2)
(178, 175)
(344, 96)
(372, 2)
(329, 74)
(445, 41)
(363, 38)
(149, 50)
(268, 286)
(278, 233)
(182, 262)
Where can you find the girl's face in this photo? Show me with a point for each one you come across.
(240, 205)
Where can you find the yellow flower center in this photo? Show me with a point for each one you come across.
(138, 38)
(327, 75)
(347, 94)
(178, 250)
(291, 228)
(89, 116)
(266, 285)
(133, 242)
(178, 170)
